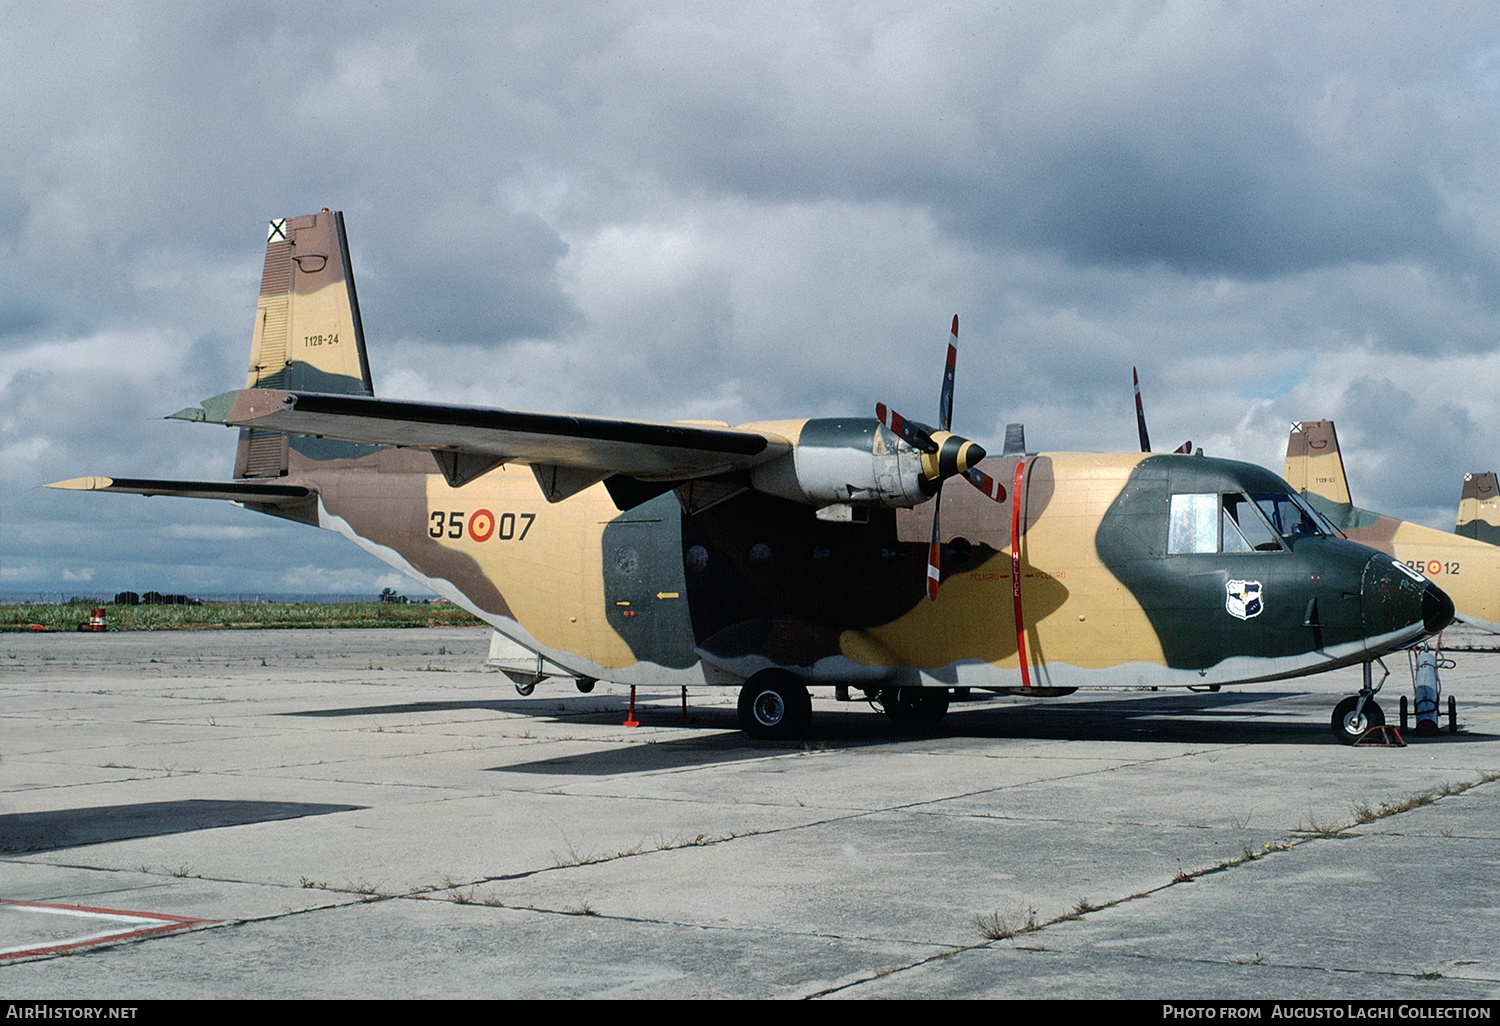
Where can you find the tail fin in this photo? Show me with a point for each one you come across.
(308, 336)
(1314, 465)
(1479, 508)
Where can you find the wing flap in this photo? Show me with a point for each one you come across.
(643, 449)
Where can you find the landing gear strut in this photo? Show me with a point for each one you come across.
(1358, 713)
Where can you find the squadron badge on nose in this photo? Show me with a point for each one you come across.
(1243, 599)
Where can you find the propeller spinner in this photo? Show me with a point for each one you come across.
(944, 455)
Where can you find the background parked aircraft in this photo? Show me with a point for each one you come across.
(1466, 568)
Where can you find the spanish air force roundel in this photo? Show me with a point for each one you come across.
(1243, 599)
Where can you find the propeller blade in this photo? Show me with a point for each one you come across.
(934, 551)
(904, 429)
(1140, 413)
(945, 400)
(986, 484)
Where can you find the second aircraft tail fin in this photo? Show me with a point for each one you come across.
(1479, 508)
(1313, 462)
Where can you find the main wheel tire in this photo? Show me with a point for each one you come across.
(1349, 728)
(774, 706)
(915, 710)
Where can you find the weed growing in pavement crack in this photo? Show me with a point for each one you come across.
(1004, 925)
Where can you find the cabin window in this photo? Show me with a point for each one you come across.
(697, 559)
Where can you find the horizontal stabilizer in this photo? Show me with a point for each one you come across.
(232, 491)
(642, 449)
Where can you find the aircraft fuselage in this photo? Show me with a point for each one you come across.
(654, 595)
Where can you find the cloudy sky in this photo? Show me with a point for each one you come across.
(1276, 211)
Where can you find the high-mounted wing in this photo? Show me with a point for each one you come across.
(568, 453)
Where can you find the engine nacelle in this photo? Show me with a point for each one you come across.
(838, 460)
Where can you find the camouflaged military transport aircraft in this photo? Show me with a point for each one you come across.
(773, 556)
(1467, 568)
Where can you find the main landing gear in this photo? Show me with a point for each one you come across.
(774, 706)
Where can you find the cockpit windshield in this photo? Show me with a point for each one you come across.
(1287, 514)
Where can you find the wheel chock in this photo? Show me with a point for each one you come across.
(1385, 736)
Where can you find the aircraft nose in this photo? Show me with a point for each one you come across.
(1437, 608)
(1395, 598)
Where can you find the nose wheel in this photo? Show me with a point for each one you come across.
(1358, 713)
(1350, 721)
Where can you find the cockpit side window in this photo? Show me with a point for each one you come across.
(1195, 523)
(1254, 531)
(1286, 515)
(1233, 539)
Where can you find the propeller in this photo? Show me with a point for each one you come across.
(944, 455)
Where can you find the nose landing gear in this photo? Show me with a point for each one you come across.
(1359, 713)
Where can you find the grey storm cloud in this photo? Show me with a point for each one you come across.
(763, 210)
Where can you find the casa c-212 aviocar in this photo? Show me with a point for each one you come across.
(782, 555)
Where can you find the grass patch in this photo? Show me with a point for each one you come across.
(1323, 830)
(577, 856)
(240, 616)
(1365, 813)
(1005, 925)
